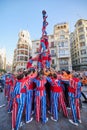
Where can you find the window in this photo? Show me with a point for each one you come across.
(37, 43)
(20, 46)
(52, 36)
(26, 47)
(26, 58)
(22, 34)
(81, 37)
(79, 23)
(61, 26)
(62, 36)
(82, 44)
(37, 50)
(80, 29)
(18, 52)
(63, 44)
(76, 40)
(58, 27)
(26, 52)
(52, 44)
(75, 54)
(84, 60)
(78, 61)
(64, 26)
(62, 32)
(18, 58)
(66, 44)
(64, 52)
(21, 64)
(63, 62)
(64, 68)
(21, 52)
(83, 52)
(53, 61)
(52, 52)
(21, 58)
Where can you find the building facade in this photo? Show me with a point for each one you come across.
(78, 41)
(3, 58)
(22, 51)
(63, 56)
(59, 46)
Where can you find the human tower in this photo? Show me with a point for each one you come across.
(43, 58)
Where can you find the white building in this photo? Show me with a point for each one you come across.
(79, 45)
(3, 58)
(22, 51)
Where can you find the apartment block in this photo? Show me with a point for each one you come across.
(62, 42)
(78, 40)
(22, 51)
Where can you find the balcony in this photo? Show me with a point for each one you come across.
(36, 52)
(63, 56)
(53, 55)
(52, 46)
(53, 66)
(63, 64)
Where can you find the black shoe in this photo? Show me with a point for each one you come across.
(85, 101)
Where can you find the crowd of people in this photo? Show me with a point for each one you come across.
(36, 93)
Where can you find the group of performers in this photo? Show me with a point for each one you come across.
(41, 90)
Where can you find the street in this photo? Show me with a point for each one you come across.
(62, 124)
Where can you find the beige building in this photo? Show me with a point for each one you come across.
(78, 41)
(59, 47)
(22, 51)
(61, 36)
(3, 58)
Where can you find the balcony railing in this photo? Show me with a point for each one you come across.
(53, 55)
(52, 46)
(63, 55)
(63, 64)
(53, 65)
(36, 52)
